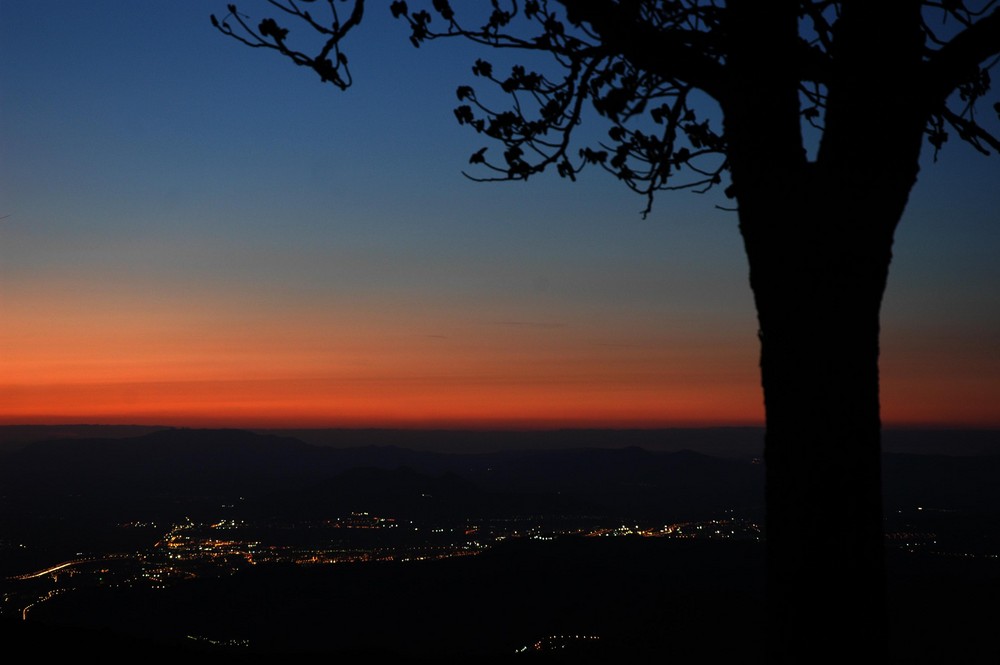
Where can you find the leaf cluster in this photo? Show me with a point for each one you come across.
(971, 80)
(655, 136)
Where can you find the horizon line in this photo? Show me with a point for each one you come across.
(543, 426)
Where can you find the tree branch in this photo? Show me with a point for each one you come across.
(959, 59)
(330, 63)
(672, 54)
(972, 133)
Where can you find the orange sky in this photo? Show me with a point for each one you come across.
(112, 359)
(198, 361)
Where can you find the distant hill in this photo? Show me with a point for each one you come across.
(15, 437)
(716, 441)
(191, 465)
(218, 465)
(747, 442)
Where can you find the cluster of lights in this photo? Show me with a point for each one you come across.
(552, 642)
(223, 643)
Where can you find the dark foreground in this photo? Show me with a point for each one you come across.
(571, 599)
(226, 545)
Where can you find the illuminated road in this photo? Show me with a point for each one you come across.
(65, 564)
(48, 596)
(52, 569)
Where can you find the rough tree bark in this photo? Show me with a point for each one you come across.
(818, 237)
(818, 301)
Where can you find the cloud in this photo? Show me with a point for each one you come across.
(530, 324)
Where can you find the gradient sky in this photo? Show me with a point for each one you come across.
(202, 234)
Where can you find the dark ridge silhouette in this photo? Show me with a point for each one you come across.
(209, 466)
(717, 441)
(219, 461)
(942, 441)
(14, 437)
(745, 442)
(212, 464)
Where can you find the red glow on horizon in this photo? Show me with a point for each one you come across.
(424, 406)
(184, 370)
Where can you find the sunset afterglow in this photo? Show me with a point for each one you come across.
(197, 234)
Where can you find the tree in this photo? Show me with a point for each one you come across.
(870, 79)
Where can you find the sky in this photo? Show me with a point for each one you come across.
(196, 233)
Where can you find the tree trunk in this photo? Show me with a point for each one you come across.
(818, 298)
(819, 244)
(818, 237)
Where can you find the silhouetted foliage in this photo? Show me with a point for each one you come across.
(872, 79)
(641, 65)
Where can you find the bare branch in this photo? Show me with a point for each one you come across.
(959, 59)
(270, 35)
(972, 133)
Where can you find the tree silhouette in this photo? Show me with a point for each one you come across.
(870, 79)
